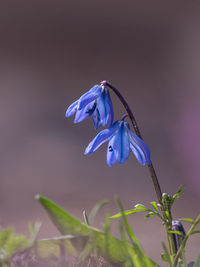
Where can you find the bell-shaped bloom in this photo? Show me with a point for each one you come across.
(96, 103)
(120, 141)
(177, 226)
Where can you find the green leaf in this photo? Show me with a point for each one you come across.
(167, 213)
(154, 205)
(126, 212)
(65, 223)
(195, 232)
(141, 207)
(164, 257)
(176, 232)
(131, 259)
(95, 210)
(68, 225)
(186, 220)
(137, 208)
(178, 193)
(150, 214)
(140, 258)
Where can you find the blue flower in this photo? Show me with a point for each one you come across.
(97, 103)
(120, 141)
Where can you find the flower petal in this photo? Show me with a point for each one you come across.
(83, 113)
(96, 119)
(101, 138)
(88, 97)
(102, 108)
(121, 144)
(109, 109)
(111, 159)
(71, 109)
(140, 149)
(105, 108)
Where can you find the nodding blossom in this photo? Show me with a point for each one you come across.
(120, 141)
(96, 103)
(177, 226)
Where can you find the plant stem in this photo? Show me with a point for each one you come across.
(137, 131)
(169, 235)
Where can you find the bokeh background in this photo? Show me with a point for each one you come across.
(51, 52)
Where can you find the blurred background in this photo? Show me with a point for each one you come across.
(51, 52)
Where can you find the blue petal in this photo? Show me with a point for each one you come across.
(102, 108)
(121, 144)
(84, 113)
(88, 97)
(111, 159)
(109, 108)
(96, 119)
(101, 138)
(105, 107)
(140, 149)
(71, 109)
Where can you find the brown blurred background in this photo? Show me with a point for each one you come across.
(51, 52)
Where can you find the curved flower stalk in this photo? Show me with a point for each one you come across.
(120, 141)
(97, 103)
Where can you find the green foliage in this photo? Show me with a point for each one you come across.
(16, 247)
(186, 220)
(176, 232)
(166, 257)
(95, 210)
(178, 193)
(83, 245)
(10, 244)
(141, 208)
(98, 243)
(163, 211)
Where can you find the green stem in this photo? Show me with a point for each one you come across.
(170, 236)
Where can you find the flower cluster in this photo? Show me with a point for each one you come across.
(97, 103)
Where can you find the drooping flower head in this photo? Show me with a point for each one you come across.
(177, 226)
(120, 141)
(96, 103)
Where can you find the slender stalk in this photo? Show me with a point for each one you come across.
(169, 235)
(137, 131)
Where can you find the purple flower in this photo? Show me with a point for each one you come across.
(177, 226)
(97, 103)
(120, 141)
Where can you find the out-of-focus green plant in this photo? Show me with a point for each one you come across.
(14, 249)
(80, 244)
